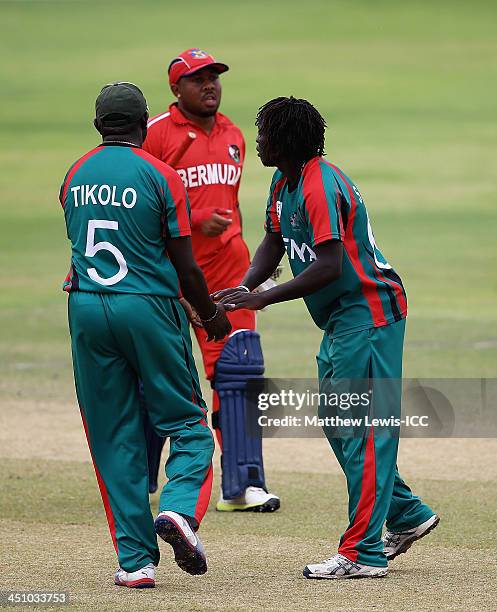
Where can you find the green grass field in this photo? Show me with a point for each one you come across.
(408, 90)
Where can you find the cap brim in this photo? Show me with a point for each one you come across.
(218, 66)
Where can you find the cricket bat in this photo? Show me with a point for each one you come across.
(182, 149)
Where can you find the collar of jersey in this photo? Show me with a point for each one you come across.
(119, 144)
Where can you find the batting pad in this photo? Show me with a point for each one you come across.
(241, 360)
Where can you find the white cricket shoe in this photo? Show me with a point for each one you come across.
(397, 543)
(254, 499)
(338, 567)
(143, 578)
(189, 552)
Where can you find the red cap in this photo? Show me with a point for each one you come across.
(191, 61)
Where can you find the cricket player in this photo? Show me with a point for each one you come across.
(127, 218)
(208, 152)
(316, 213)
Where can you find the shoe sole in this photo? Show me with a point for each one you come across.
(408, 543)
(146, 583)
(189, 558)
(308, 574)
(271, 505)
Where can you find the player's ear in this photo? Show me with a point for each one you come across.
(175, 90)
(97, 125)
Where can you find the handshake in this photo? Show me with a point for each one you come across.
(218, 326)
(226, 300)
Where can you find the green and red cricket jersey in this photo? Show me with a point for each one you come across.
(210, 168)
(121, 205)
(326, 205)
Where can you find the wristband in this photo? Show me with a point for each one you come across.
(211, 318)
(243, 287)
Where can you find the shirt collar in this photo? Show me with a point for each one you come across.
(177, 116)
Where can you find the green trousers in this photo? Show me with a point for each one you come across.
(377, 494)
(116, 340)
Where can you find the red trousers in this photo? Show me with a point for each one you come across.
(227, 269)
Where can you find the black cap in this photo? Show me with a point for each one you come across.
(120, 104)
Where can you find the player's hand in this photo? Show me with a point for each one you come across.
(218, 327)
(242, 299)
(217, 296)
(217, 223)
(191, 313)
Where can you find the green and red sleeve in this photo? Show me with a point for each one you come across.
(177, 211)
(322, 202)
(272, 223)
(71, 172)
(176, 217)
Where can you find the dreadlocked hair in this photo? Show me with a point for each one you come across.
(293, 126)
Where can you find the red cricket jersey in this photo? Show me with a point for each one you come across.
(210, 169)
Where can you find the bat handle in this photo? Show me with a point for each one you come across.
(182, 149)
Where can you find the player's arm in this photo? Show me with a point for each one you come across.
(323, 216)
(194, 288)
(325, 269)
(177, 234)
(270, 251)
(266, 259)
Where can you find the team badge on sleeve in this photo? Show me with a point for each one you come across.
(234, 152)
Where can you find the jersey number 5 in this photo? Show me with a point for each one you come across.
(93, 248)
